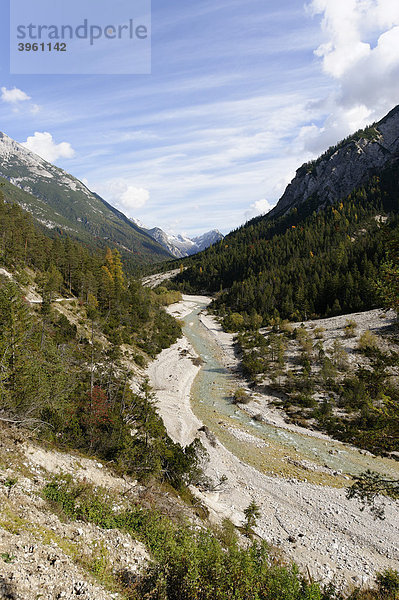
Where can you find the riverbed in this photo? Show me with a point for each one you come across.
(293, 475)
(278, 449)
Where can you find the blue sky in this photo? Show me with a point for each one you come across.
(240, 95)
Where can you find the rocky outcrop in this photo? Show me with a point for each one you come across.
(41, 554)
(345, 167)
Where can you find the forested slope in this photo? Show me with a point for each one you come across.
(66, 366)
(311, 261)
(61, 203)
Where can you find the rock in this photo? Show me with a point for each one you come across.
(52, 559)
(79, 588)
(334, 176)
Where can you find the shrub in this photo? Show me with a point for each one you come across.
(241, 397)
(305, 400)
(368, 341)
(258, 417)
(252, 514)
(286, 326)
(140, 360)
(318, 333)
(197, 361)
(388, 584)
(339, 356)
(350, 329)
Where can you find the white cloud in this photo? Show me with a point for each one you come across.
(361, 51)
(42, 143)
(260, 207)
(122, 194)
(13, 96)
(340, 122)
(134, 197)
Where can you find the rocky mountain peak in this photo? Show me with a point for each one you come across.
(345, 166)
(180, 245)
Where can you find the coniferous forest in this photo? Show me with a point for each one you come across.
(312, 262)
(66, 377)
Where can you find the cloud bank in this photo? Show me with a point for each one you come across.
(361, 53)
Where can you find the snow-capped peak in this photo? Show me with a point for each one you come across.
(180, 245)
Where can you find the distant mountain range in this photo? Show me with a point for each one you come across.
(180, 245)
(63, 204)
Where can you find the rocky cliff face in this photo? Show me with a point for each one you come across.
(344, 167)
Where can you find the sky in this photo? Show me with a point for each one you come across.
(240, 94)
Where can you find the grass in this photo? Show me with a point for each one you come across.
(8, 558)
(11, 522)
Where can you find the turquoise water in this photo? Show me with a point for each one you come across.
(211, 401)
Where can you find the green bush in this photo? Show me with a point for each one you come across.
(240, 396)
(140, 360)
(388, 584)
(305, 400)
(189, 563)
(368, 341)
(319, 333)
(350, 328)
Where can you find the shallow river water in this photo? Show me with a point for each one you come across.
(270, 449)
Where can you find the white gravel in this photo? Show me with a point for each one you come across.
(315, 526)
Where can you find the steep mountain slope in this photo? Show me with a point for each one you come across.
(344, 167)
(177, 245)
(181, 246)
(61, 202)
(318, 252)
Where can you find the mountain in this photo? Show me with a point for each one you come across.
(62, 203)
(177, 245)
(207, 239)
(345, 166)
(181, 246)
(319, 251)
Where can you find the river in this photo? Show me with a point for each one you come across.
(296, 477)
(271, 449)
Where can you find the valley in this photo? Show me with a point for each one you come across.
(296, 476)
(206, 413)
